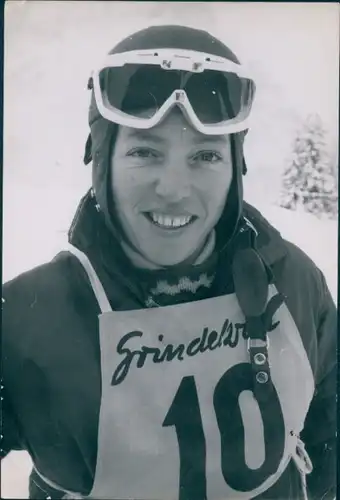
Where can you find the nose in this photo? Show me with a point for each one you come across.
(173, 183)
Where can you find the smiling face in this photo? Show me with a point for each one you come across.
(170, 185)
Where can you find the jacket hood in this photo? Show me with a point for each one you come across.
(103, 133)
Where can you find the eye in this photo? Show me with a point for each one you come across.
(207, 157)
(143, 153)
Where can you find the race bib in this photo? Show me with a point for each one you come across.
(178, 417)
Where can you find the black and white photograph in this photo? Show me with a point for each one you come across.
(170, 250)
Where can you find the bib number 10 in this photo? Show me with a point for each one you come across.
(185, 415)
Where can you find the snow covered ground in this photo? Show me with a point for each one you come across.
(50, 49)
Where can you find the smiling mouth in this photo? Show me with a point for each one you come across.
(170, 221)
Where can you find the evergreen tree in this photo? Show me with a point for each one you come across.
(309, 179)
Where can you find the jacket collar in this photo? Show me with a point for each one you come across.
(269, 241)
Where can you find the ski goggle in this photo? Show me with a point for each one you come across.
(138, 89)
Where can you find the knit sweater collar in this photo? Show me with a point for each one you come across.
(179, 284)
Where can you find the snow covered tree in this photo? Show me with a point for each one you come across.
(310, 179)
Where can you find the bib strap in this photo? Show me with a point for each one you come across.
(97, 287)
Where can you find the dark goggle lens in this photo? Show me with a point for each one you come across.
(143, 89)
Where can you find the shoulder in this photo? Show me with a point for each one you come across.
(44, 294)
(294, 270)
(46, 279)
(274, 248)
(300, 277)
(300, 262)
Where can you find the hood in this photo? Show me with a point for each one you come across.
(103, 133)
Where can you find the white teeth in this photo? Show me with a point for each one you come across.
(168, 221)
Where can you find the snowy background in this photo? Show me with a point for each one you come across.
(50, 49)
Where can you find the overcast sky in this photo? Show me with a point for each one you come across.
(51, 47)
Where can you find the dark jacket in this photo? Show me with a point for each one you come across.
(51, 359)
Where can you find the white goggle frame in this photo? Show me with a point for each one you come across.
(172, 59)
